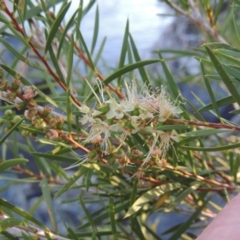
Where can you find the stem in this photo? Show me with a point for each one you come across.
(42, 58)
(205, 124)
(198, 20)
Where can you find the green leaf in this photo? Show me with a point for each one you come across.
(123, 50)
(89, 217)
(200, 133)
(56, 64)
(98, 218)
(36, 10)
(170, 80)
(186, 225)
(171, 127)
(122, 71)
(8, 223)
(216, 45)
(197, 113)
(19, 211)
(48, 199)
(72, 233)
(153, 233)
(225, 78)
(186, 192)
(212, 149)
(54, 28)
(11, 163)
(218, 10)
(138, 229)
(63, 34)
(69, 85)
(79, 34)
(88, 7)
(129, 68)
(71, 181)
(150, 195)
(221, 102)
(56, 157)
(17, 54)
(111, 210)
(14, 127)
(92, 235)
(141, 70)
(95, 31)
(235, 73)
(210, 92)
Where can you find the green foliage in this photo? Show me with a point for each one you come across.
(129, 150)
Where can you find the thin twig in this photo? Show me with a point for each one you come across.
(197, 20)
(20, 231)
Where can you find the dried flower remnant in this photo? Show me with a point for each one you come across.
(56, 122)
(123, 161)
(28, 93)
(29, 114)
(46, 111)
(162, 163)
(3, 84)
(140, 173)
(10, 96)
(136, 153)
(16, 84)
(52, 134)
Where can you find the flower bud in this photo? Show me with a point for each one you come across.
(25, 133)
(20, 105)
(29, 114)
(8, 112)
(1, 73)
(16, 119)
(10, 96)
(52, 134)
(46, 111)
(16, 84)
(91, 155)
(104, 109)
(3, 84)
(96, 140)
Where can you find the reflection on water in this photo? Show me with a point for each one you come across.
(145, 25)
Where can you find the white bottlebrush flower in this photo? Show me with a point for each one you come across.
(99, 128)
(118, 110)
(166, 108)
(140, 122)
(115, 111)
(156, 137)
(159, 104)
(132, 95)
(89, 114)
(166, 139)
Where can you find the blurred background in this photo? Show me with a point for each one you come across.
(153, 26)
